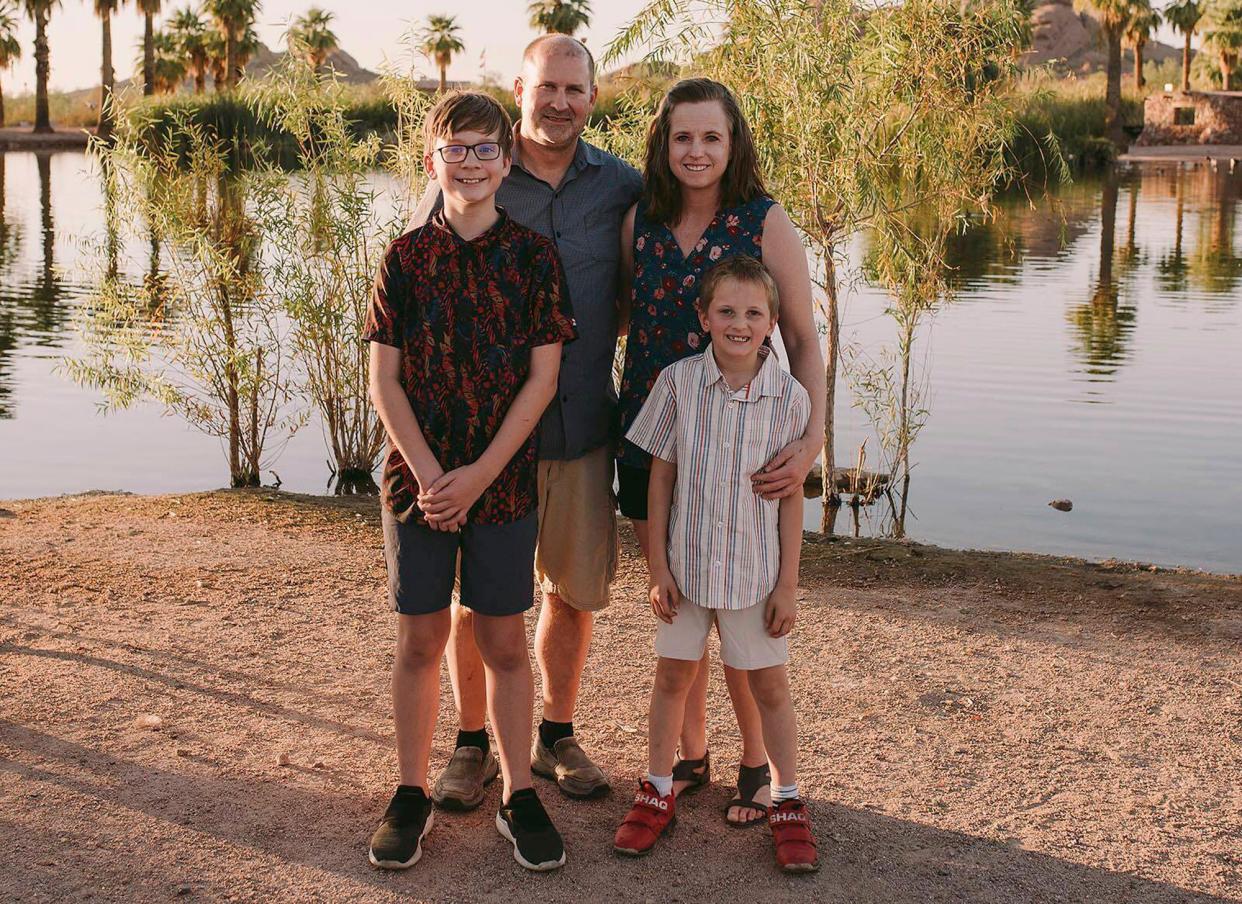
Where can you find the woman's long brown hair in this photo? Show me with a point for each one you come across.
(742, 180)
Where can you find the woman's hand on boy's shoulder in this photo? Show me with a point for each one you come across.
(665, 597)
(786, 473)
(781, 611)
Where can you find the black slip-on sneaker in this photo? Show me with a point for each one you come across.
(398, 842)
(536, 843)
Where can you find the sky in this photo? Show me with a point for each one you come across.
(369, 30)
(494, 31)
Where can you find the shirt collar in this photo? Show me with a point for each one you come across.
(766, 382)
(438, 220)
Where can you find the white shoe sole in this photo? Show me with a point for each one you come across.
(503, 828)
(418, 850)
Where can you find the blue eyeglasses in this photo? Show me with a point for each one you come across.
(456, 153)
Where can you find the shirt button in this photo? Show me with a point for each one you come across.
(718, 564)
(564, 398)
(720, 523)
(558, 233)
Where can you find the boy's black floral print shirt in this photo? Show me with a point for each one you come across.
(466, 316)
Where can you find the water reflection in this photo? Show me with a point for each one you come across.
(1103, 325)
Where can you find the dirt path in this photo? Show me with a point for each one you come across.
(976, 727)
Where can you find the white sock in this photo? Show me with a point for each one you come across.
(663, 783)
(784, 792)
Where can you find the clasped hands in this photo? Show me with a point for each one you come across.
(447, 501)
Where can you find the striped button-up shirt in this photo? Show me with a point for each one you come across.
(723, 539)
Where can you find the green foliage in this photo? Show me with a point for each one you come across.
(311, 36)
(208, 343)
(559, 16)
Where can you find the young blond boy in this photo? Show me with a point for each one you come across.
(719, 553)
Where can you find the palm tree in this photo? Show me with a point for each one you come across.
(1184, 16)
(107, 77)
(1139, 26)
(1222, 35)
(1111, 16)
(10, 49)
(40, 11)
(190, 33)
(149, 9)
(168, 65)
(310, 34)
(439, 40)
(559, 16)
(234, 18)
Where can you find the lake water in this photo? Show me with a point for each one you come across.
(1092, 352)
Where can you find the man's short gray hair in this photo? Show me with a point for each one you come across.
(557, 43)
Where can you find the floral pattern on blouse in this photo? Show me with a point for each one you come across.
(664, 325)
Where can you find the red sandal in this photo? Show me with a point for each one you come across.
(791, 831)
(649, 818)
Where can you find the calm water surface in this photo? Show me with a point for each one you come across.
(1093, 352)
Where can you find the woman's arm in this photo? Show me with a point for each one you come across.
(785, 256)
(449, 498)
(665, 596)
(625, 278)
(782, 607)
(389, 398)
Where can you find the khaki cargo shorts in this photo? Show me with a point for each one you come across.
(577, 554)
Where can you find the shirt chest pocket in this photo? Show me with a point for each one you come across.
(758, 442)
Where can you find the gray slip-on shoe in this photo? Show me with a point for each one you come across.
(569, 766)
(460, 786)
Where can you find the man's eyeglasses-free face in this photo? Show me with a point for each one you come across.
(456, 153)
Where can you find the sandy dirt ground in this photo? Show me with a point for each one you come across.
(974, 727)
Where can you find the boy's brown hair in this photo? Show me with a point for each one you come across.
(744, 268)
(475, 111)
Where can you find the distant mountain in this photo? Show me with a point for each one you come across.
(1070, 42)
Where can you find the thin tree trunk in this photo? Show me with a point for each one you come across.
(43, 67)
(230, 60)
(1112, 96)
(1139, 81)
(1226, 74)
(1, 111)
(1186, 62)
(107, 79)
(148, 55)
(443, 78)
(829, 491)
(200, 80)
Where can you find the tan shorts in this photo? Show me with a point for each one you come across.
(577, 554)
(745, 643)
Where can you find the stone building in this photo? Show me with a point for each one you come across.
(1194, 117)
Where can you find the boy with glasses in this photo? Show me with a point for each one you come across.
(466, 325)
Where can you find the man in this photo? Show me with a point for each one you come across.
(576, 195)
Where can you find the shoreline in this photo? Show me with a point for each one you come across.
(913, 548)
(21, 138)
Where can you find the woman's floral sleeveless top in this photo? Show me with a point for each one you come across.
(664, 325)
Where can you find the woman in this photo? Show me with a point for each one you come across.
(703, 201)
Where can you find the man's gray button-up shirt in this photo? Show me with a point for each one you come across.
(583, 217)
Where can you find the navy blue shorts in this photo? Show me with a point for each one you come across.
(632, 491)
(497, 566)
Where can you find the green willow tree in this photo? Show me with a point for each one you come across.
(222, 363)
(1184, 17)
(1140, 25)
(190, 34)
(149, 9)
(859, 118)
(10, 47)
(438, 40)
(564, 17)
(40, 12)
(107, 76)
(311, 36)
(1111, 15)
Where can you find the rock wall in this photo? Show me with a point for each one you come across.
(1217, 115)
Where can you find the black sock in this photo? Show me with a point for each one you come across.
(551, 732)
(473, 739)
